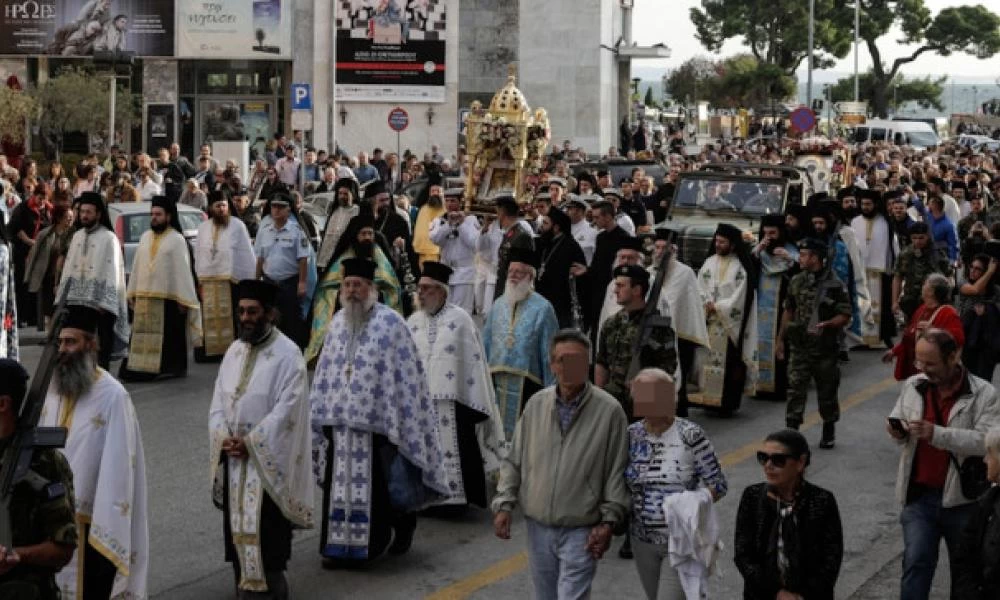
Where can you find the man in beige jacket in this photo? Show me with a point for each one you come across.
(566, 468)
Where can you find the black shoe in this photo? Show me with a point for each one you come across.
(402, 541)
(625, 551)
(828, 439)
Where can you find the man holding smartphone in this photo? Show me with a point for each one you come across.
(940, 420)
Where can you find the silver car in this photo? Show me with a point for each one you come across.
(131, 219)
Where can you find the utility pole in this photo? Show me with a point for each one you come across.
(812, 31)
(857, 33)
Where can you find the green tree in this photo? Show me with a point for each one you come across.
(693, 80)
(776, 31)
(746, 82)
(76, 99)
(648, 100)
(925, 92)
(17, 108)
(971, 30)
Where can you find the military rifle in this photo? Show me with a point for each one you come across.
(650, 321)
(15, 462)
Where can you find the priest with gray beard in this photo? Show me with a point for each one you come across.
(518, 329)
(104, 449)
(453, 356)
(376, 448)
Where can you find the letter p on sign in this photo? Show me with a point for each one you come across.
(301, 96)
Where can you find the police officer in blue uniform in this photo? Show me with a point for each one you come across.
(282, 250)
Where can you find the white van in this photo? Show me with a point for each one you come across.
(914, 133)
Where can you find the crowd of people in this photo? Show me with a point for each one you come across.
(407, 355)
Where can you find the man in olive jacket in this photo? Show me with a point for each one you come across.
(566, 468)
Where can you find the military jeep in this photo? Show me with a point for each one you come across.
(734, 193)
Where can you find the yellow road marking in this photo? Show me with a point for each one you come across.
(515, 564)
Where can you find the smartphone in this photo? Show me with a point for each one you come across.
(897, 424)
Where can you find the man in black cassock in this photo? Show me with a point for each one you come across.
(562, 265)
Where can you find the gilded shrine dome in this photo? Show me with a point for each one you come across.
(509, 100)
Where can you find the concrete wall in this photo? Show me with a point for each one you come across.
(564, 69)
(488, 40)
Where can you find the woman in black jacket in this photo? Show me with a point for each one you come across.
(789, 542)
(977, 568)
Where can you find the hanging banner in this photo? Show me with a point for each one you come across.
(160, 130)
(79, 27)
(239, 29)
(391, 51)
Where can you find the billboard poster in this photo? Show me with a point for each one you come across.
(391, 50)
(159, 127)
(241, 29)
(237, 121)
(79, 27)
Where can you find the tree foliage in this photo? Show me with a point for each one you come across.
(925, 92)
(648, 100)
(17, 109)
(77, 100)
(738, 81)
(970, 30)
(776, 31)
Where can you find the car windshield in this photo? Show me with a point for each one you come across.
(138, 224)
(921, 138)
(726, 195)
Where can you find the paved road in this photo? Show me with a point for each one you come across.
(460, 558)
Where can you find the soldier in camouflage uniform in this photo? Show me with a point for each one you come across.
(618, 335)
(817, 308)
(41, 508)
(913, 266)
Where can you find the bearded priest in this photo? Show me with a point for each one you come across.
(376, 447)
(104, 449)
(452, 352)
(260, 440)
(516, 336)
(161, 291)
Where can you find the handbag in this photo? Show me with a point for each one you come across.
(971, 471)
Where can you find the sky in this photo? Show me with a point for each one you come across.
(668, 21)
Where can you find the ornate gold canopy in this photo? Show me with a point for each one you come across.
(505, 143)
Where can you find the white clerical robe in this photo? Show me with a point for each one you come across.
(261, 395)
(723, 281)
(864, 298)
(222, 257)
(458, 247)
(162, 271)
(94, 275)
(104, 449)
(875, 249)
(336, 224)
(680, 287)
(451, 350)
(585, 234)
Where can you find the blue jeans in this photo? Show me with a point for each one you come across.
(561, 567)
(925, 522)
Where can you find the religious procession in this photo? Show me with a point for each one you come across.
(503, 365)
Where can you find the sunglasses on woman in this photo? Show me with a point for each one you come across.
(777, 459)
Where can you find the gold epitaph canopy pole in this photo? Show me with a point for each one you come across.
(505, 143)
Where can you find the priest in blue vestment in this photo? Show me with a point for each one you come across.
(377, 450)
(517, 333)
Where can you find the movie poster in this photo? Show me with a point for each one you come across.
(391, 50)
(81, 27)
(240, 29)
(159, 126)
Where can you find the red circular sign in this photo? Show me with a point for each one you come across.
(803, 119)
(399, 119)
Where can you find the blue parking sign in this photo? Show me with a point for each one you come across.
(302, 96)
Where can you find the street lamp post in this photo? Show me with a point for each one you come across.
(975, 100)
(857, 29)
(812, 31)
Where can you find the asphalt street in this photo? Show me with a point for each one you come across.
(460, 557)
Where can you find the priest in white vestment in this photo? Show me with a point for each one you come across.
(340, 214)
(261, 445)
(104, 449)
(871, 230)
(161, 290)
(727, 283)
(454, 358)
(94, 275)
(682, 300)
(457, 235)
(858, 290)
(223, 257)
